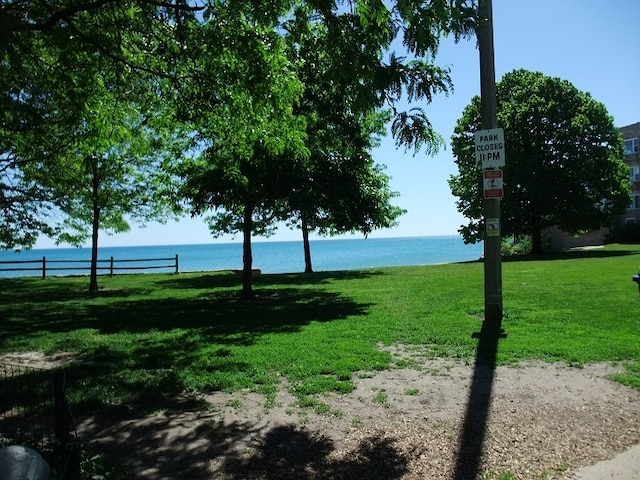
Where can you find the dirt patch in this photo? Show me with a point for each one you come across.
(542, 421)
(38, 359)
(440, 419)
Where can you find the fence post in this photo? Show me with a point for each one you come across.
(44, 267)
(111, 267)
(63, 428)
(177, 269)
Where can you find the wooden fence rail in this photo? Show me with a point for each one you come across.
(44, 265)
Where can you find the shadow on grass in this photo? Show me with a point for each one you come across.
(136, 354)
(568, 255)
(58, 289)
(164, 447)
(571, 255)
(216, 314)
(233, 280)
(471, 443)
(30, 306)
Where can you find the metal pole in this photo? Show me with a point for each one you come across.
(492, 253)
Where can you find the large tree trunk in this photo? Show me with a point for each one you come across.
(247, 257)
(93, 277)
(308, 268)
(536, 239)
(95, 228)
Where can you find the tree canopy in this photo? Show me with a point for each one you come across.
(338, 188)
(564, 160)
(304, 114)
(238, 99)
(54, 57)
(290, 90)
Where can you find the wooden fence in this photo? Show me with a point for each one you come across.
(45, 265)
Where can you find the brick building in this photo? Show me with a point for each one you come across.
(559, 240)
(631, 136)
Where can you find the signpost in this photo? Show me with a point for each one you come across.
(490, 156)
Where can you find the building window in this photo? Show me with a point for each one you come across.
(630, 221)
(635, 173)
(635, 202)
(631, 146)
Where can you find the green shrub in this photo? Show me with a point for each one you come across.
(516, 245)
(628, 233)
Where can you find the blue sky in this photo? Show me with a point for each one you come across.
(594, 44)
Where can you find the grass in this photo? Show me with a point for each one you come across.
(381, 398)
(146, 338)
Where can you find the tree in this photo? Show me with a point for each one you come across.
(26, 100)
(340, 188)
(238, 92)
(105, 176)
(83, 127)
(237, 98)
(344, 47)
(342, 58)
(48, 55)
(564, 160)
(244, 194)
(107, 182)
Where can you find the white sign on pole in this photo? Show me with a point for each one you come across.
(492, 227)
(493, 184)
(489, 148)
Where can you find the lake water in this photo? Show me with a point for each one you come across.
(270, 257)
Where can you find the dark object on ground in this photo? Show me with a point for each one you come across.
(22, 463)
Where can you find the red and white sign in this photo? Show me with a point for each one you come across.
(493, 185)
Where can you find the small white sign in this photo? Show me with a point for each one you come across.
(493, 184)
(489, 148)
(492, 226)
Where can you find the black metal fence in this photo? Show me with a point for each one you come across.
(109, 266)
(34, 412)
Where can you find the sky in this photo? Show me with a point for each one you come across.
(594, 44)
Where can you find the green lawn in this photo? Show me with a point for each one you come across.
(145, 338)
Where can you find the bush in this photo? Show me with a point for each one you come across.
(516, 245)
(627, 233)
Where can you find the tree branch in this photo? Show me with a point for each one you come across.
(66, 13)
(117, 58)
(96, 5)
